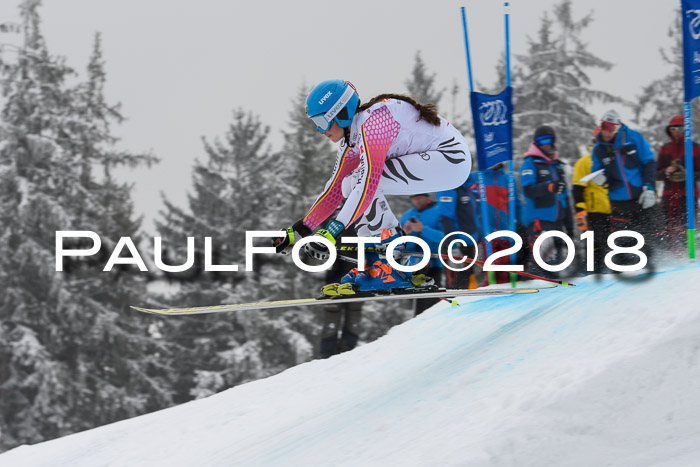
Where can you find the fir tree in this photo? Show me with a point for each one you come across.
(236, 189)
(551, 86)
(421, 84)
(73, 357)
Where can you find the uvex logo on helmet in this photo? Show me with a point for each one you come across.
(323, 99)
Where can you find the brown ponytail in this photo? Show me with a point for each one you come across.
(427, 112)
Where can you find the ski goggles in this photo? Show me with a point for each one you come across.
(609, 126)
(324, 121)
(544, 140)
(322, 124)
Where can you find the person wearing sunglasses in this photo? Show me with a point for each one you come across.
(629, 169)
(390, 145)
(546, 194)
(671, 170)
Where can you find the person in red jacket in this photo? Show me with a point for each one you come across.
(671, 170)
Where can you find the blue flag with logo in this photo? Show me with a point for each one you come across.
(493, 127)
(690, 9)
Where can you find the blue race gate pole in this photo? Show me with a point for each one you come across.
(689, 179)
(466, 45)
(482, 189)
(486, 225)
(511, 175)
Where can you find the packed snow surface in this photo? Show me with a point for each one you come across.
(603, 374)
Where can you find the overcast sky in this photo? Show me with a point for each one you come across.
(180, 67)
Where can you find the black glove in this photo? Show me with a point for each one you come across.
(318, 251)
(557, 187)
(285, 244)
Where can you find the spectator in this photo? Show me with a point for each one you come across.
(423, 221)
(458, 212)
(592, 207)
(546, 195)
(671, 170)
(629, 170)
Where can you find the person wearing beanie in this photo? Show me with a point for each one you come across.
(629, 169)
(546, 194)
(670, 169)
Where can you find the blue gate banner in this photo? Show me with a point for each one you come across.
(493, 127)
(691, 47)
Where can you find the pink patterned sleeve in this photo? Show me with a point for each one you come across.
(332, 195)
(378, 133)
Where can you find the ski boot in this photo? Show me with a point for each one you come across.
(380, 277)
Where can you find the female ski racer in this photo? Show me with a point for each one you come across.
(391, 145)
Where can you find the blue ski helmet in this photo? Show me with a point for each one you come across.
(332, 100)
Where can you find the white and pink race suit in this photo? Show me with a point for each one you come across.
(390, 153)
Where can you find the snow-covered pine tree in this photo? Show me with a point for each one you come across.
(237, 188)
(129, 376)
(421, 84)
(72, 357)
(551, 85)
(663, 98)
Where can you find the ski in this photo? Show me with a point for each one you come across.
(439, 293)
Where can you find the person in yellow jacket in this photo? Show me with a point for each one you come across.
(592, 207)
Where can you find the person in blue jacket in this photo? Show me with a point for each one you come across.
(423, 221)
(459, 212)
(546, 194)
(628, 167)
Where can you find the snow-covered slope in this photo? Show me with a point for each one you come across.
(606, 373)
